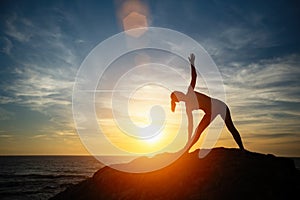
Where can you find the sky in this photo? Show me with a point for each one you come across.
(255, 45)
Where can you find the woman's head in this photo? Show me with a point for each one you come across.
(176, 96)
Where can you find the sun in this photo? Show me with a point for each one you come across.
(144, 124)
(155, 140)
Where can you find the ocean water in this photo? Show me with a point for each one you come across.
(41, 177)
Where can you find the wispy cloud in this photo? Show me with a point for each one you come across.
(6, 46)
(269, 79)
(6, 115)
(264, 96)
(42, 78)
(39, 136)
(18, 29)
(39, 87)
(6, 136)
(237, 42)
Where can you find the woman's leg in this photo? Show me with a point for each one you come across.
(201, 127)
(232, 129)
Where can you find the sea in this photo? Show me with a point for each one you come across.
(41, 177)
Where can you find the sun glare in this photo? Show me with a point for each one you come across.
(140, 104)
(156, 139)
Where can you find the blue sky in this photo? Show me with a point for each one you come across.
(255, 44)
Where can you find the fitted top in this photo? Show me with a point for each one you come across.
(195, 101)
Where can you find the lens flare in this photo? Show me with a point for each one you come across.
(133, 14)
(121, 97)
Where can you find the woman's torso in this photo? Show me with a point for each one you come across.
(196, 100)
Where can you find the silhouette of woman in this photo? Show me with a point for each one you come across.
(212, 108)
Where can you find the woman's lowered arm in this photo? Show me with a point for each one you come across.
(190, 124)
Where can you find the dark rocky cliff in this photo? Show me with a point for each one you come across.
(222, 174)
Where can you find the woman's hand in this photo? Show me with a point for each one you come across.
(192, 59)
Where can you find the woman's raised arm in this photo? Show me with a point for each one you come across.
(193, 71)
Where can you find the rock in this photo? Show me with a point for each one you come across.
(222, 174)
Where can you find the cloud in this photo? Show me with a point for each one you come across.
(43, 75)
(272, 136)
(39, 88)
(6, 136)
(264, 96)
(13, 26)
(39, 136)
(6, 115)
(274, 80)
(241, 37)
(6, 46)
(238, 42)
(45, 91)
